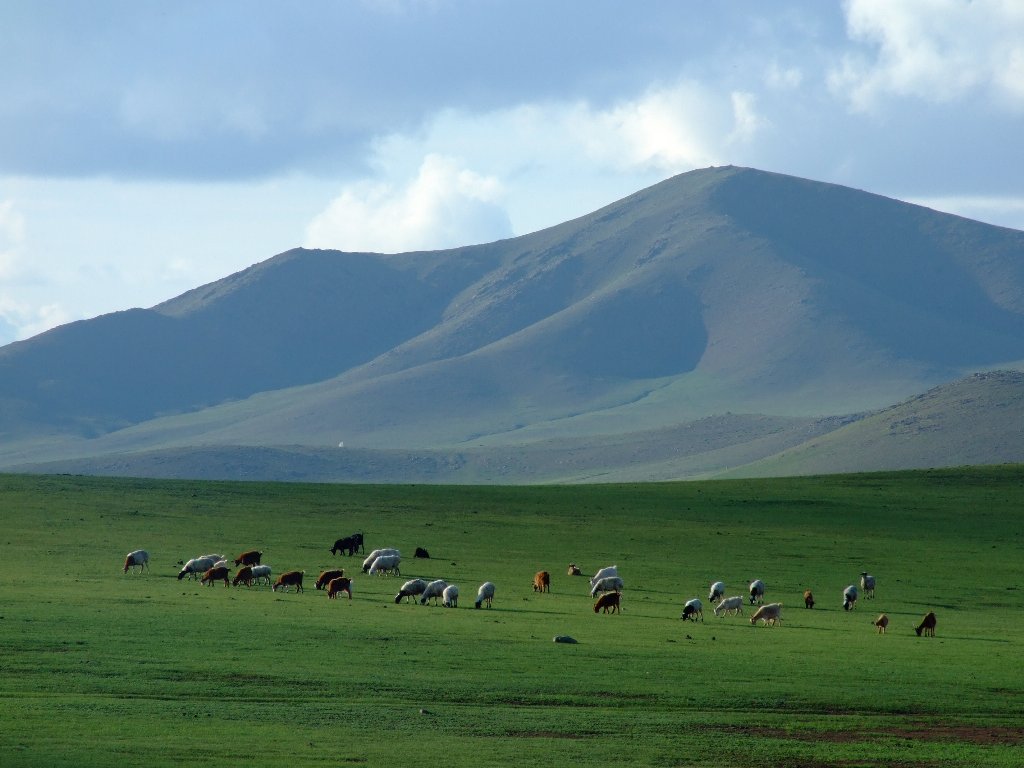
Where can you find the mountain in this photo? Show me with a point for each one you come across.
(719, 290)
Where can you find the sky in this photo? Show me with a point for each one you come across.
(148, 147)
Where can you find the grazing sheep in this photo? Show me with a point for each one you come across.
(717, 591)
(139, 557)
(607, 584)
(542, 581)
(340, 584)
(375, 554)
(882, 622)
(434, 589)
(692, 609)
(386, 564)
(411, 588)
(927, 625)
(850, 598)
(808, 599)
(867, 583)
(604, 573)
(289, 579)
(609, 602)
(252, 557)
(260, 572)
(326, 577)
(574, 570)
(484, 595)
(217, 573)
(450, 596)
(728, 605)
(244, 576)
(756, 591)
(770, 614)
(196, 567)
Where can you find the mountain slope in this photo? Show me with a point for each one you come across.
(725, 289)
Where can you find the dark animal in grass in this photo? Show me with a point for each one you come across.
(244, 576)
(808, 599)
(348, 546)
(608, 603)
(421, 552)
(542, 581)
(252, 557)
(289, 579)
(927, 625)
(340, 584)
(220, 573)
(326, 576)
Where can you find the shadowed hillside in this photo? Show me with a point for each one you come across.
(720, 290)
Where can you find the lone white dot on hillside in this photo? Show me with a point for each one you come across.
(341, 444)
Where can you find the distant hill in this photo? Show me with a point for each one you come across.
(724, 290)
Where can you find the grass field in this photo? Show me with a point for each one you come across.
(101, 668)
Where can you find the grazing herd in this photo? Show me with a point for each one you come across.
(606, 585)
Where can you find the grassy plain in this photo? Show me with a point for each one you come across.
(101, 668)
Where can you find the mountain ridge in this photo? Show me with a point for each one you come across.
(723, 289)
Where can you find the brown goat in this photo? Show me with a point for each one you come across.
(608, 602)
(216, 574)
(252, 557)
(927, 625)
(340, 584)
(808, 599)
(882, 622)
(244, 576)
(542, 581)
(290, 579)
(326, 577)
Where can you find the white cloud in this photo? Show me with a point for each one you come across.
(509, 157)
(935, 50)
(443, 207)
(12, 236)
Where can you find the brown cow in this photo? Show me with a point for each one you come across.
(218, 573)
(244, 576)
(326, 577)
(340, 584)
(289, 579)
(252, 557)
(609, 601)
(542, 581)
(927, 625)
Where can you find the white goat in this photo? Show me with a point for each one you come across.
(260, 572)
(435, 589)
(717, 591)
(196, 567)
(377, 553)
(692, 609)
(850, 598)
(450, 596)
(604, 573)
(867, 583)
(386, 564)
(769, 614)
(607, 584)
(728, 605)
(485, 594)
(756, 591)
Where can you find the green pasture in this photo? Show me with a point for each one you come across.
(101, 668)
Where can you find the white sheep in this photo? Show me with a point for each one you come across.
(867, 583)
(728, 605)
(850, 598)
(450, 596)
(435, 589)
(756, 591)
(604, 573)
(717, 591)
(260, 572)
(377, 553)
(485, 594)
(411, 588)
(692, 609)
(607, 584)
(386, 564)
